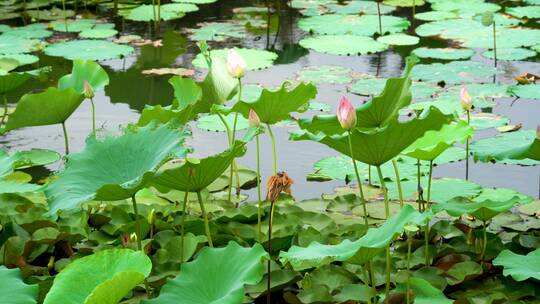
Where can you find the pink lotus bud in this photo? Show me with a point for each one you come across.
(236, 65)
(88, 91)
(346, 114)
(253, 119)
(466, 99)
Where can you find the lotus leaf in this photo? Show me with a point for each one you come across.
(36, 157)
(325, 74)
(12, 44)
(84, 70)
(424, 292)
(464, 6)
(399, 39)
(88, 49)
(98, 33)
(213, 122)
(343, 44)
(520, 267)
(528, 91)
(358, 7)
(31, 31)
(22, 59)
(452, 72)
(531, 11)
(510, 54)
(514, 145)
(444, 54)
(15, 291)
(50, 15)
(217, 31)
(364, 25)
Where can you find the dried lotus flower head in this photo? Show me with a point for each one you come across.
(281, 182)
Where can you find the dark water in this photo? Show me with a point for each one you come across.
(129, 91)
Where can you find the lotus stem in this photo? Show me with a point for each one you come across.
(158, 12)
(366, 280)
(93, 116)
(273, 148)
(429, 184)
(409, 245)
(269, 280)
(66, 140)
(5, 114)
(380, 18)
(495, 43)
(398, 180)
(467, 149)
(205, 218)
(182, 229)
(258, 188)
(419, 187)
(484, 242)
(387, 213)
(229, 138)
(64, 14)
(232, 138)
(154, 10)
(413, 18)
(428, 205)
(373, 284)
(137, 223)
(359, 180)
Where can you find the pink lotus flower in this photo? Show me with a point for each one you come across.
(88, 91)
(254, 120)
(466, 99)
(346, 114)
(236, 65)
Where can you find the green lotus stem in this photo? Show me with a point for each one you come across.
(360, 190)
(428, 205)
(64, 14)
(429, 184)
(258, 188)
(205, 218)
(494, 43)
(154, 10)
(484, 243)
(273, 148)
(269, 280)
(413, 12)
(93, 116)
(387, 213)
(234, 168)
(366, 280)
(380, 18)
(66, 140)
(373, 285)
(5, 114)
(420, 207)
(229, 137)
(467, 149)
(182, 229)
(409, 245)
(137, 223)
(158, 11)
(398, 180)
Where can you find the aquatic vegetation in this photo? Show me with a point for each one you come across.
(300, 151)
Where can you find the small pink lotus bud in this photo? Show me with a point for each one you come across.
(346, 114)
(253, 119)
(236, 65)
(466, 99)
(88, 91)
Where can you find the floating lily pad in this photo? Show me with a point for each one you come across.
(364, 25)
(404, 3)
(319, 106)
(481, 121)
(22, 59)
(464, 6)
(368, 86)
(436, 15)
(255, 59)
(343, 44)
(529, 91)
(73, 26)
(168, 11)
(36, 157)
(443, 53)
(531, 11)
(483, 90)
(217, 31)
(196, 1)
(503, 146)
(32, 31)
(326, 74)
(358, 7)
(399, 39)
(98, 33)
(50, 15)
(510, 54)
(88, 49)
(213, 122)
(11, 44)
(453, 72)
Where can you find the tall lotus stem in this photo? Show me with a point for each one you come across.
(484, 242)
(413, 13)
(398, 180)
(269, 279)
(5, 114)
(66, 140)
(360, 190)
(366, 280)
(64, 14)
(467, 149)
(467, 104)
(428, 205)
(495, 44)
(205, 218)
(258, 188)
(88, 92)
(380, 18)
(409, 245)
(182, 229)
(137, 223)
(274, 154)
(234, 168)
(387, 213)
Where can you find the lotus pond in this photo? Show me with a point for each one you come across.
(210, 151)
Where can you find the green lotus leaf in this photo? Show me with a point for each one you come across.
(73, 26)
(356, 252)
(404, 3)
(443, 53)
(169, 11)
(399, 39)
(196, 1)
(50, 15)
(218, 275)
(217, 31)
(482, 91)
(380, 145)
(193, 174)
(98, 33)
(424, 292)
(510, 54)
(375, 113)
(452, 72)
(325, 74)
(436, 15)
(7, 163)
(359, 7)
(275, 106)
(18, 187)
(36, 157)
(12, 44)
(104, 277)
(51, 107)
(213, 122)
(163, 115)
(133, 156)
(482, 121)
(520, 267)
(513, 145)
(434, 143)
(84, 70)
(13, 80)
(22, 59)
(343, 44)
(31, 31)
(255, 59)
(464, 6)
(356, 25)
(186, 91)
(15, 291)
(529, 91)
(531, 11)
(88, 49)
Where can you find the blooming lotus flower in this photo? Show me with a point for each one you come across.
(88, 91)
(236, 65)
(254, 120)
(466, 99)
(346, 114)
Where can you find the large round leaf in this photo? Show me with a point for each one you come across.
(520, 267)
(14, 290)
(345, 44)
(217, 276)
(114, 168)
(51, 107)
(88, 49)
(102, 278)
(514, 145)
(84, 70)
(364, 25)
